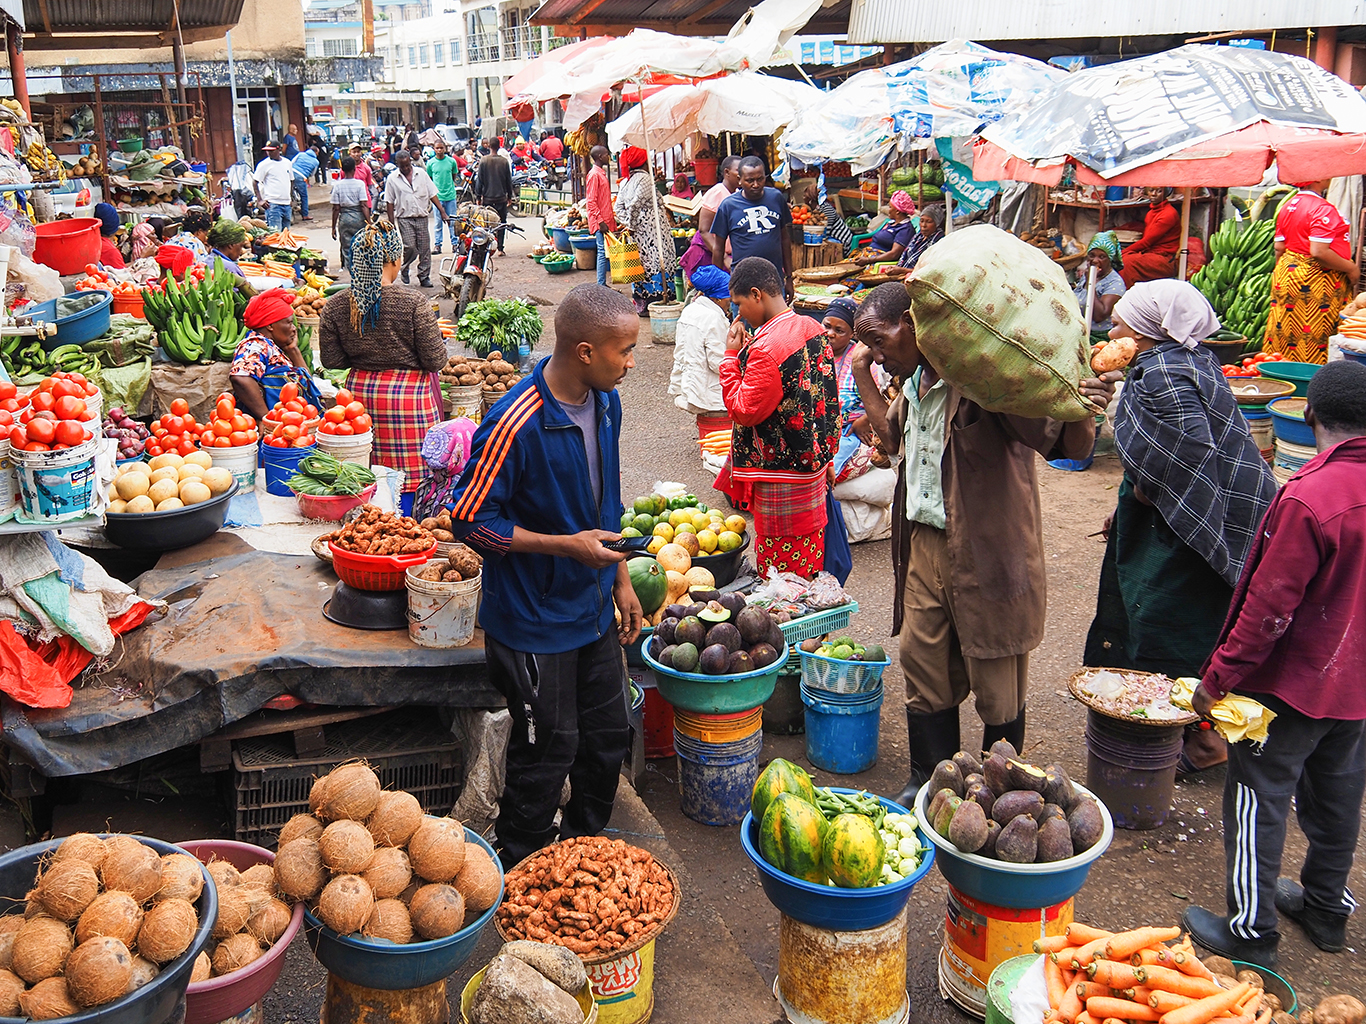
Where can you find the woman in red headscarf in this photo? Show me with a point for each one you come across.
(268, 357)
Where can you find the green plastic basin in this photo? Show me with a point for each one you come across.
(1296, 373)
(716, 695)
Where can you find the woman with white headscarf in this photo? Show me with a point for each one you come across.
(1195, 488)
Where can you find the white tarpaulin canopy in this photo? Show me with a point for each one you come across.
(746, 103)
(851, 123)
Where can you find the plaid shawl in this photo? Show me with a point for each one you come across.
(1184, 442)
(404, 405)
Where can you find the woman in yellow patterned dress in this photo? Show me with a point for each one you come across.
(1313, 279)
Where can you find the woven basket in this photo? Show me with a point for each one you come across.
(1087, 701)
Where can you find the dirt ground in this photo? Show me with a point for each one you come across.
(720, 957)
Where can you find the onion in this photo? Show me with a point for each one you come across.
(116, 413)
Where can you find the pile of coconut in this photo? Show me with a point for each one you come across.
(103, 918)
(251, 918)
(370, 864)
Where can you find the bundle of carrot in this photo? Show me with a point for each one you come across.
(716, 443)
(1146, 975)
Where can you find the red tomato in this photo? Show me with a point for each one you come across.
(17, 437)
(354, 409)
(289, 392)
(361, 424)
(189, 419)
(240, 422)
(185, 447)
(70, 408)
(294, 406)
(344, 397)
(43, 400)
(221, 442)
(7, 389)
(345, 429)
(45, 414)
(180, 407)
(36, 446)
(177, 425)
(252, 437)
(91, 390)
(311, 411)
(335, 415)
(12, 404)
(66, 387)
(304, 441)
(152, 448)
(221, 428)
(158, 430)
(224, 409)
(290, 431)
(277, 442)
(42, 430)
(238, 438)
(6, 419)
(327, 428)
(292, 419)
(78, 378)
(70, 433)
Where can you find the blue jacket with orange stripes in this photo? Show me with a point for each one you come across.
(528, 468)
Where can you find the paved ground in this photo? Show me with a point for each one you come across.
(719, 958)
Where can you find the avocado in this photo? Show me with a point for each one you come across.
(740, 661)
(666, 656)
(690, 631)
(733, 602)
(989, 847)
(752, 624)
(979, 793)
(676, 611)
(775, 634)
(1087, 824)
(703, 595)
(665, 630)
(657, 644)
(968, 829)
(1055, 841)
(1025, 776)
(875, 653)
(968, 780)
(715, 659)
(1051, 811)
(811, 646)
(685, 658)
(945, 816)
(936, 802)
(994, 767)
(1005, 748)
(763, 655)
(714, 612)
(726, 634)
(1057, 787)
(1020, 801)
(694, 609)
(946, 775)
(967, 764)
(1018, 842)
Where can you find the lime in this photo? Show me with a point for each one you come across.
(679, 515)
(706, 540)
(684, 528)
(644, 523)
(627, 519)
(664, 530)
(842, 652)
(631, 531)
(645, 504)
(701, 521)
(736, 523)
(728, 540)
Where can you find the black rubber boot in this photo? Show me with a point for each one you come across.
(1012, 731)
(932, 738)
(1211, 931)
(1325, 930)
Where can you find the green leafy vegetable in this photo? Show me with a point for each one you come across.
(321, 476)
(499, 324)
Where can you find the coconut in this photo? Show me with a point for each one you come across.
(11, 923)
(299, 869)
(396, 818)
(270, 922)
(111, 913)
(437, 848)
(478, 880)
(10, 987)
(224, 875)
(234, 908)
(40, 949)
(6, 951)
(144, 971)
(202, 969)
(167, 930)
(81, 846)
(317, 793)
(131, 867)
(234, 953)
(389, 872)
(47, 1000)
(67, 888)
(182, 877)
(346, 903)
(437, 911)
(98, 971)
(389, 920)
(260, 874)
(351, 791)
(257, 895)
(347, 847)
(301, 826)
(32, 908)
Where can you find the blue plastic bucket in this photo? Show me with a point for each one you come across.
(280, 465)
(841, 729)
(561, 238)
(716, 780)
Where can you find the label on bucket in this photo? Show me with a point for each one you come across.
(624, 988)
(979, 937)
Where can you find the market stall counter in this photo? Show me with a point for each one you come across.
(241, 630)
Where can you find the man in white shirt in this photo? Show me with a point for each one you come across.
(409, 195)
(274, 185)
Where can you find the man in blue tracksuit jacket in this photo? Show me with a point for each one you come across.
(539, 497)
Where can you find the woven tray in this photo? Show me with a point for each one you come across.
(825, 275)
(1085, 699)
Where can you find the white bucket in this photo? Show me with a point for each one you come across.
(56, 487)
(664, 321)
(349, 448)
(95, 403)
(465, 400)
(240, 461)
(813, 234)
(441, 614)
(9, 480)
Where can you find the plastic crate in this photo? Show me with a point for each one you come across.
(409, 750)
(813, 625)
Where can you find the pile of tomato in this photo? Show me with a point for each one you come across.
(1250, 366)
(175, 432)
(53, 418)
(229, 427)
(196, 273)
(346, 418)
(294, 420)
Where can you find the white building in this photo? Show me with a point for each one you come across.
(335, 28)
(502, 43)
(424, 70)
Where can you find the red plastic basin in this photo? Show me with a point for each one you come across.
(332, 507)
(68, 245)
(218, 999)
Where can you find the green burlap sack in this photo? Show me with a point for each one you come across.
(995, 318)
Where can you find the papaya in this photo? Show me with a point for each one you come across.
(649, 583)
(779, 776)
(852, 851)
(792, 836)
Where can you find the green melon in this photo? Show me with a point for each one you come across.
(852, 851)
(791, 837)
(649, 583)
(780, 776)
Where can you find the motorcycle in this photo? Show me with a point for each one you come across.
(466, 273)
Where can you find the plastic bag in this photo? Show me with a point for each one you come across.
(40, 283)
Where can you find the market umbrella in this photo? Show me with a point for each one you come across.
(536, 69)
(746, 103)
(852, 123)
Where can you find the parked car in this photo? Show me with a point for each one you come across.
(457, 136)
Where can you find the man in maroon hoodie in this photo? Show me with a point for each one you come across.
(1294, 640)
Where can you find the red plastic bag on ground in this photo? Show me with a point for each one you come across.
(39, 675)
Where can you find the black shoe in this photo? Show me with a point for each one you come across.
(424, 284)
(404, 277)
(1012, 731)
(932, 738)
(1326, 930)
(1212, 932)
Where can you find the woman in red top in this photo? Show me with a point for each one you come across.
(1153, 256)
(1313, 279)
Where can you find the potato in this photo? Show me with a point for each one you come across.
(166, 473)
(167, 459)
(218, 480)
(1272, 1000)
(193, 491)
(1252, 978)
(1281, 1017)
(1339, 1009)
(163, 489)
(1219, 965)
(117, 505)
(451, 576)
(201, 459)
(113, 494)
(170, 505)
(444, 536)
(431, 524)
(190, 469)
(141, 503)
(131, 485)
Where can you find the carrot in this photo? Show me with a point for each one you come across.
(1112, 1020)
(1052, 979)
(1085, 954)
(1089, 989)
(1174, 981)
(1116, 975)
(1124, 1009)
(1080, 934)
(1188, 963)
(1125, 944)
(1064, 956)
(1204, 1010)
(1164, 1001)
(1146, 956)
(1086, 1018)
(1137, 994)
(1070, 1006)
(1051, 943)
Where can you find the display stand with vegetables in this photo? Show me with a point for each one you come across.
(320, 475)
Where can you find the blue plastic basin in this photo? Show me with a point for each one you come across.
(159, 1000)
(78, 328)
(1297, 374)
(1019, 886)
(1287, 420)
(826, 906)
(385, 965)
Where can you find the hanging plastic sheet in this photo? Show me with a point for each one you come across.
(852, 123)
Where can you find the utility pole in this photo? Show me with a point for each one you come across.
(367, 21)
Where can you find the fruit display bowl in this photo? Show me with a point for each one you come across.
(827, 906)
(389, 966)
(1296, 373)
(1019, 886)
(172, 529)
(724, 566)
(1287, 420)
(716, 695)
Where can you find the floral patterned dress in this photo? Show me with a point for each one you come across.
(633, 212)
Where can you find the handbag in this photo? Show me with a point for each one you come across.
(624, 257)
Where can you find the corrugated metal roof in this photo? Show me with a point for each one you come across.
(673, 15)
(904, 21)
(94, 16)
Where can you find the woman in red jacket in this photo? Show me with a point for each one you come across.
(780, 390)
(1153, 256)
